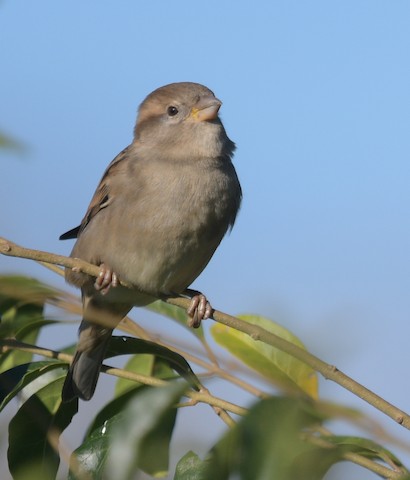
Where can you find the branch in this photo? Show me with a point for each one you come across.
(329, 372)
(129, 326)
(202, 396)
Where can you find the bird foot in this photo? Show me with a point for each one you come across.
(198, 310)
(105, 280)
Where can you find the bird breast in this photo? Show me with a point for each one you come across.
(165, 222)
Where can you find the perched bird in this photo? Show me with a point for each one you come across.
(160, 211)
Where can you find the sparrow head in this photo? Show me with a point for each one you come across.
(183, 118)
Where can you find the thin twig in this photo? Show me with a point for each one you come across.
(358, 459)
(129, 326)
(329, 372)
(203, 396)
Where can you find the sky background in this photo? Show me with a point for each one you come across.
(316, 96)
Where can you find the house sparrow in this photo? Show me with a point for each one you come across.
(160, 211)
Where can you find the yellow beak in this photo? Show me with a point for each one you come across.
(206, 109)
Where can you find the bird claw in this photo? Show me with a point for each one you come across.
(198, 310)
(105, 280)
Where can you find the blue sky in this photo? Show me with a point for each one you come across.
(316, 96)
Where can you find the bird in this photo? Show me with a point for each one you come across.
(160, 211)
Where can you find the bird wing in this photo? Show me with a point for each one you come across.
(102, 197)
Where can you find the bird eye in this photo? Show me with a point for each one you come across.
(172, 111)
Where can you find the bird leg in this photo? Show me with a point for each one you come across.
(105, 280)
(199, 308)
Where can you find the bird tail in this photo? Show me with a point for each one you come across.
(85, 368)
(99, 319)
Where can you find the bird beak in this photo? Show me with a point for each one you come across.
(206, 109)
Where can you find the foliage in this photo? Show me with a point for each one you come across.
(283, 436)
(6, 142)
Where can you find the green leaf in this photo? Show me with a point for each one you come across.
(21, 308)
(365, 447)
(126, 389)
(277, 366)
(141, 438)
(136, 438)
(175, 313)
(18, 318)
(143, 364)
(267, 443)
(110, 410)
(38, 424)
(190, 467)
(23, 323)
(27, 334)
(122, 345)
(25, 290)
(10, 143)
(14, 380)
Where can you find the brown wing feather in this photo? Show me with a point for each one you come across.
(101, 198)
